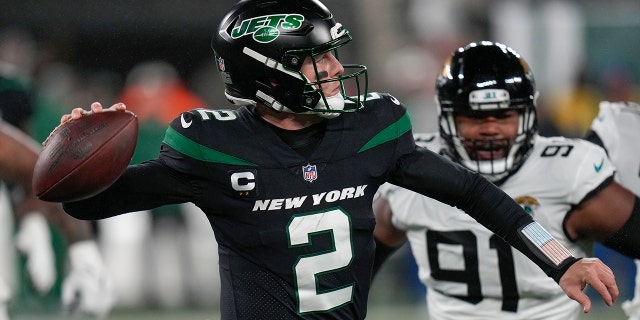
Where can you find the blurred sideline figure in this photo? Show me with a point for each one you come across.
(176, 237)
(87, 287)
(487, 115)
(617, 130)
(17, 52)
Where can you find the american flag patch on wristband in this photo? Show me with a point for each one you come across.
(549, 246)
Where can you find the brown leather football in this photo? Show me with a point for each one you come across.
(85, 156)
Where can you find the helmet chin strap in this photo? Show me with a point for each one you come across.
(336, 102)
(272, 103)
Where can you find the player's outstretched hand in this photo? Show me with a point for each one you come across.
(593, 272)
(96, 107)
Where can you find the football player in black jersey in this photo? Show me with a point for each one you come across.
(287, 179)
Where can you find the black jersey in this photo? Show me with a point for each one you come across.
(295, 233)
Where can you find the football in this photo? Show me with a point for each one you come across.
(83, 157)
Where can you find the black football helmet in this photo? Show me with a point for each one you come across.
(487, 77)
(260, 46)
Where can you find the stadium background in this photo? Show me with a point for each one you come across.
(580, 52)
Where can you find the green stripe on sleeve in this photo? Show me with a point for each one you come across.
(394, 131)
(197, 151)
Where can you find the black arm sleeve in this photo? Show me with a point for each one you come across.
(627, 238)
(143, 186)
(434, 176)
(382, 253)
(593, 137)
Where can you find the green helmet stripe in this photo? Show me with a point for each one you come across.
(197, 151)
(394, 131)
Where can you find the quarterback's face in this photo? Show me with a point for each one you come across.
(488, 135)
(328, 67)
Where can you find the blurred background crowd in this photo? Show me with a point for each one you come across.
(155, 56)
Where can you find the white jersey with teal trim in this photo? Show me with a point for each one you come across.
(618, 126)
(470, 272)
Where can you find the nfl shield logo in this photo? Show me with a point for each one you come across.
(221, 65)
(309, 172)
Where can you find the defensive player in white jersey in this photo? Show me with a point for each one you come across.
(487, 116)
(617, 129)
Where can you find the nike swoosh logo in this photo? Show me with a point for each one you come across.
(186, 124)
(599, 167)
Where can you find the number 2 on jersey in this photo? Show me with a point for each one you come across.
(301, 230)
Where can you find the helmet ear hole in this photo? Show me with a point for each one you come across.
(292, 61)
(309, 99)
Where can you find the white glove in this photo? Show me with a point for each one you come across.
(34, 241)
(88, 288)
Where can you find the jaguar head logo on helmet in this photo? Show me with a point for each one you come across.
(263, 45)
